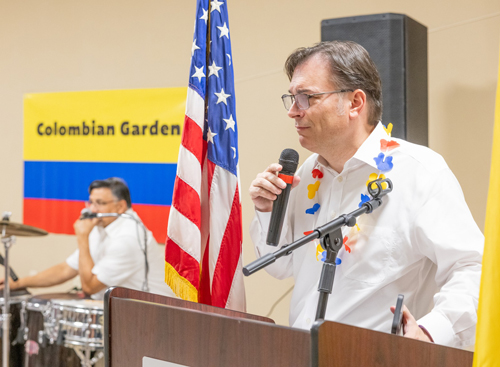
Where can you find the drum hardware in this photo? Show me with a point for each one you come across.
(17, 302)
(22, 331)
(60, 337)
(75, 324)
(84, 352)
(42, 339)
(9, 230)
(39, 351)
(86, 357)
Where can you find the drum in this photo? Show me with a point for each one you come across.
(79, 322)
(39, 352)
(17, 300)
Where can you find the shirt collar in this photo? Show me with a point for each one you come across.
(366, 152)
(114, 227)
(370, 148)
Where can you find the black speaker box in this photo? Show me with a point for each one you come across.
(398, 46)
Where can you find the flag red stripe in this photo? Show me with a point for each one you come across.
(210, 175)
(185, 265)
(229, 255)
(187, 201)
(204, 293)
(192, 136)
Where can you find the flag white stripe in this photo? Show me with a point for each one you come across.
(184, 233)
(190, 170)
(195, 108)
(236, 298)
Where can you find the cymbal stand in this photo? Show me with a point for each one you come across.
(7, 241)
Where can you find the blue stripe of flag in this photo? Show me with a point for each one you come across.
(149, 183)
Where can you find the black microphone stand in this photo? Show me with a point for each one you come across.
(330, 235)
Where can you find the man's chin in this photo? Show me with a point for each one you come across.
(305, 143)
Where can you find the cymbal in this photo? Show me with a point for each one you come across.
(18, 229)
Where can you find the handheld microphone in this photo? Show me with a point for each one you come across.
(87, 214)
(289, 160)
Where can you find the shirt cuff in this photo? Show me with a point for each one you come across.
(263, 217)
(439, 328)
(426, 333)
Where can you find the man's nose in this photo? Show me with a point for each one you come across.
(295, 111)
(94, 208)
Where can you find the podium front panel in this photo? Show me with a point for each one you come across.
(339, 345)
(194, 338)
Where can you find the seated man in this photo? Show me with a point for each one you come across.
(110, 249)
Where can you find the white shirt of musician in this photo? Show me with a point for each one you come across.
(119, 259)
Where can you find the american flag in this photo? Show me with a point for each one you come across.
(204, 237)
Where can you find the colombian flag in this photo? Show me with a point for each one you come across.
(487, 353)
(72, 139)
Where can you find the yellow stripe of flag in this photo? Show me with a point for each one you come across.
(487, 352)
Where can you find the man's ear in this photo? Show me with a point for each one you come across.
(358, 103)
(122, 206)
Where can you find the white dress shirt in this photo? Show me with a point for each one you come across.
(119, 260)
(422, 242)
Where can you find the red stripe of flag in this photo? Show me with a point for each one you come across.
(183, 193)
(205, 293)
(228, 255)
(191, 138)
(183, 263)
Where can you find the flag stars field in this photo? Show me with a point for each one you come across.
(222, 96)
(216, 5)
(194, 47)
(199, 73)
(214, 69)
(210, 136)
(204, 16)
(224, 31)
(229, 123)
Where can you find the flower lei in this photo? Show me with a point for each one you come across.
(384, 164)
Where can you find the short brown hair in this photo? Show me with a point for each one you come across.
(351, 66)
(118, 188)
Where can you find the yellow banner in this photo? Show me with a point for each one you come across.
(140, 125)
(487, 351)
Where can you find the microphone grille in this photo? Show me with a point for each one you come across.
(85, 211)
(289, 159)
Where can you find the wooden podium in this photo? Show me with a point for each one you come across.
(139, 325)
(339, 345)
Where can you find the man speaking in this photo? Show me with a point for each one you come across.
(112, 248)
(422, 242)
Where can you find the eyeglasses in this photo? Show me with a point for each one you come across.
(302, 100)
(98, 203)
